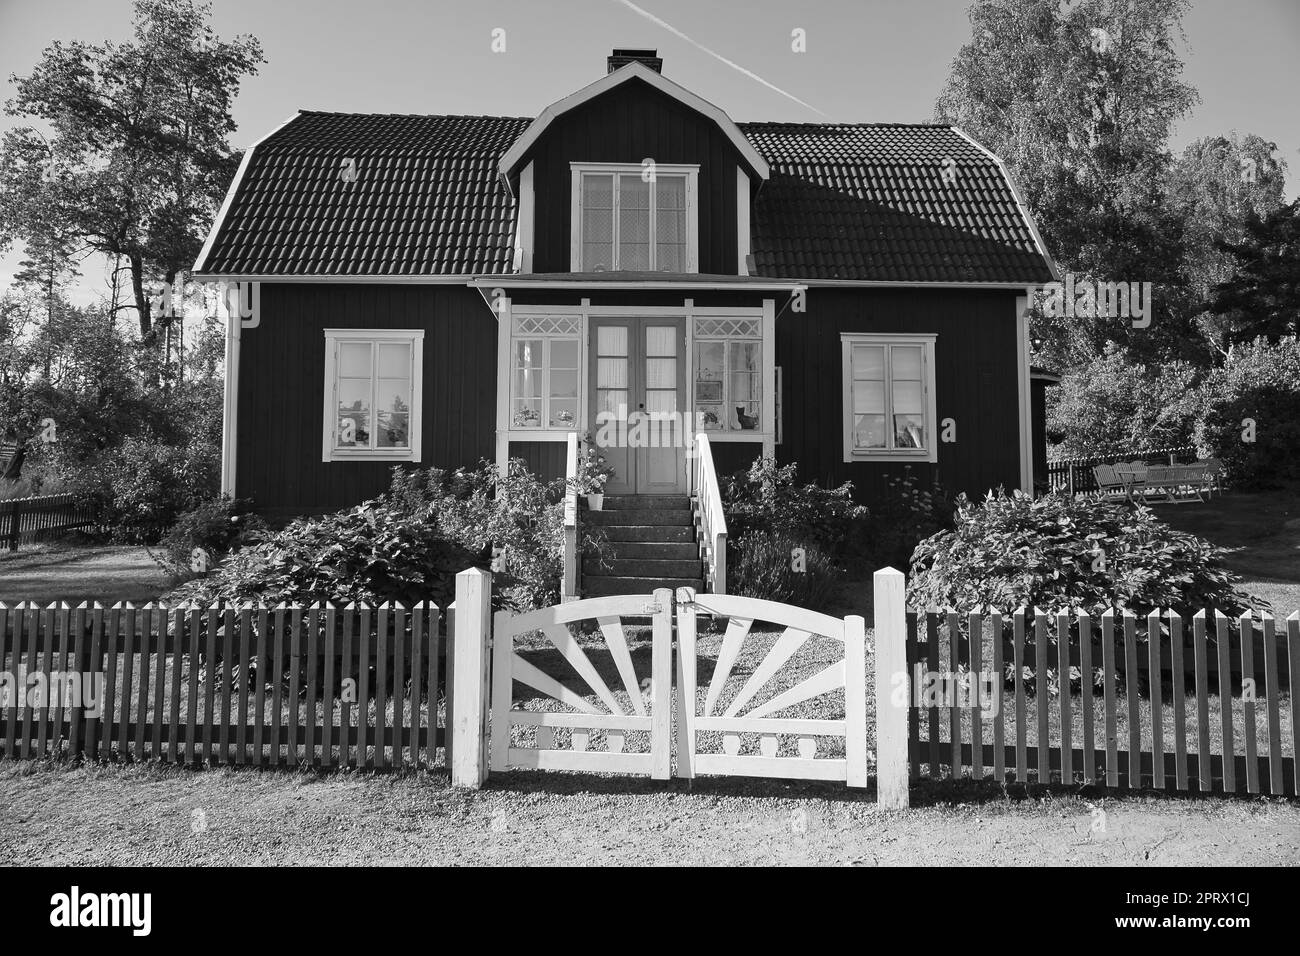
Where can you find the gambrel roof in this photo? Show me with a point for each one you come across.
(893, 203)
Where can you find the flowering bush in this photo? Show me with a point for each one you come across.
(767, 498)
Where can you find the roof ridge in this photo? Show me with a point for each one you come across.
(492, 116)
(858, 125)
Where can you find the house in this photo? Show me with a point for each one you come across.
(435, 290)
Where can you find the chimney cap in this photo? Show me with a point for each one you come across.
(622, 57)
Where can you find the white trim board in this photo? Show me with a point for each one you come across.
(515, 154)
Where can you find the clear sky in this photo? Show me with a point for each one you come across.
(866, 60)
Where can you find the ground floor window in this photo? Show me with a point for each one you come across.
(888, 391)
(545, 372)
(728, 374)
(373, 394)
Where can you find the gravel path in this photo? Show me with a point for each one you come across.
(156, 815)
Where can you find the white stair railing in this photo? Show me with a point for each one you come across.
(709, 517)
(569, 585)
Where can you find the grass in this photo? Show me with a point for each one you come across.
(72, 572)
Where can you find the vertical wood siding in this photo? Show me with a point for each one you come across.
(630, 123)
(282, 381)
(976, 383)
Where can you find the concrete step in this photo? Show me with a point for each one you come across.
(641, 568)
(654, 534)
(639, 516)
(602, 585)
(647, 502)
(650, 550)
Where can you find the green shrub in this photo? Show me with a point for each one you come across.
(1013, 551)
(218, 526)
(141, 488)
(766, 498)
(776, 566)
(904, 517)
(1260, 382)
(372, 553)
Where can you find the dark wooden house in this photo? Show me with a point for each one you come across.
(434, 290)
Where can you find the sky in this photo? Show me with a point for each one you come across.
(865, 60)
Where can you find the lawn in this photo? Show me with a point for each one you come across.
(64, 571)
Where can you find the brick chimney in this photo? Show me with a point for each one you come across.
(624, 57)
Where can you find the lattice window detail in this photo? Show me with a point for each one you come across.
(547, 324)
(728, 328)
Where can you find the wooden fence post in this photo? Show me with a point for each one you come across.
(891, 712)
(469, 715)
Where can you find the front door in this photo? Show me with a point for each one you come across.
(638, 407)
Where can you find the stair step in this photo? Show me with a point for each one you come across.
(649, 550)
(647, 502)
(602, 585)
(641, 568)
(639, 516)
(656, 534)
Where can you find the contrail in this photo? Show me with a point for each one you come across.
(717, 56)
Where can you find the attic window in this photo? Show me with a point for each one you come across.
(634, 218)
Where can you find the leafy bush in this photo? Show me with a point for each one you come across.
(1014, 551)
(766, 498)
(903, 518)
(372, 553)
(218, 526)
(778, 567)
(1260, 382)
(141, 488)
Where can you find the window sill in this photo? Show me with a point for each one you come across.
(376, 455)
(916, 454)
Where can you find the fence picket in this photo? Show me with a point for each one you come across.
(1042, 699)
(1223, 645)
(1202, 703)
(1249, 732)
(209, 685)
(954, 712)
(227, 683)
(1133, 700)
(10, 699)
(277, 688)
(999, 758)
(1086, 698)
(1018, 655)
(313, 651)
(178, 649)
(975, 630)
(399, 682)
(192, 703)
(1154, 682)
(1179, 684)
(77, 720)
(382, 644)
(58, 689)
(363, 688)
(345, 705)
(932, 658)
(1271, 707)
(912, 657)
(1108, 691)
(1063, 682)
(95, 725)
(1293, 656)
(159, 685)
(431, 630)
(259, 699)
(327, 692)
(242, 685)
(295, 681)
(128, 676)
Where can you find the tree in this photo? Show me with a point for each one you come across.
(1262, 297)
(137, 159)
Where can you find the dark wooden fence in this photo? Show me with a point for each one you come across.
(319, 686)
(27, 520)
(1160, 702)
(1074, 475)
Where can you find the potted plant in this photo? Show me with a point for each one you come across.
(593, 473)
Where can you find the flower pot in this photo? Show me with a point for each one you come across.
(596, 501)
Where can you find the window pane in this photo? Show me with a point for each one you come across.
(869, 398)
(611, 373)
(907, 398)
(394, 360)
(708, 361)
(661, 401)
(909, 431)
(597, 257)
(528, 383)
(353, 413)
(661, 340)
(597, 222)
(598, 190)
(564, 353)
(710, 416)
(869, 361)
(746, 357)
(611, 340)
(354, 359)
(670, 257)
(564, 384)
(612, 401)
(745, 415)
(528, 353)
(869, 431)
(633, 223)
(661, 373)
(906, 361)
(564, 413)
(527, 413)
(393, 415)
(670, 192)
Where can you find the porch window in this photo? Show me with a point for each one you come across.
(639, 218)
(889, 410)
(373, 394)
(545, 358)
(728, 374)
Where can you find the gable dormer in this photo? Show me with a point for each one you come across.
(633, 173)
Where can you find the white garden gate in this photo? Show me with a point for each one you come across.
(628, 725)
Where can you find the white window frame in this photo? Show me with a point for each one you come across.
(728, 403)
(414, 338)
(548, 339)
(926, 341)
(692, 174)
